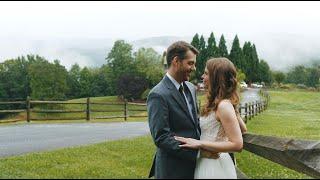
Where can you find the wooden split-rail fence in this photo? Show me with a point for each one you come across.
(123, 108)
(247, 111)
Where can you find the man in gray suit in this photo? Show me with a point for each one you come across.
(172, 110)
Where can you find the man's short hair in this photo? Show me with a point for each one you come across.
(180, 49)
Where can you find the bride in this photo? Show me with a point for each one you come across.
(220, 123)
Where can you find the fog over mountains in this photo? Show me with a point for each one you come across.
(280, 50)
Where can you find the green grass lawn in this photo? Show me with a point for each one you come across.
(129, 158)
(291, 114)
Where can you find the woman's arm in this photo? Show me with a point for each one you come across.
(242, 124)
(228, 118)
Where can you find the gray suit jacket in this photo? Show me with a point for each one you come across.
(168, 116)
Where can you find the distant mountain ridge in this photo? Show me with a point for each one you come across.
(280, 50)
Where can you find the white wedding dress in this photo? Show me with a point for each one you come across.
(208, 168)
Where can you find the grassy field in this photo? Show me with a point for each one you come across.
(291, 114)
(118, 159)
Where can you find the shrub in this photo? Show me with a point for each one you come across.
(131, 86)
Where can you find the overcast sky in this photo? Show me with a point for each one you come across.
(141, 19)
(136, 20)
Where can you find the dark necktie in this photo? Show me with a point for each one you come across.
(188, 96)
(181, 90)
(190, 99)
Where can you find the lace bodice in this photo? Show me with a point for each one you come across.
(211, 128)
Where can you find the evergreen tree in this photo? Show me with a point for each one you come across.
(246, 63)
(250, 63)
(255, 64)
(236, 52)
(222, 49)
(212, 47)
(201, 59)
(196, 41)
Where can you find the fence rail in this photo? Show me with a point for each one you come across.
(299, 155)
(247, 110)
(88, 110)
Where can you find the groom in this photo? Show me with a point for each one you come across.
(172, 110)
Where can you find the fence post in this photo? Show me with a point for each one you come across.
(125, 109)
(252, 108)
(28, 108)
(256, 109)
(259, 107)
(88, 109)
(246, 112)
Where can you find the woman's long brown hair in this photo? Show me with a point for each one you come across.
(222, 84)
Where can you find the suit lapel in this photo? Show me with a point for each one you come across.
(193, 97)
(194, 102)
(177, 96)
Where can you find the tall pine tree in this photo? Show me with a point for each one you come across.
(195, 41)
(201, 59)
(245, 59)
(246, 65)
(212, 47)
(255, 64)
(236, 52)
(222, 49)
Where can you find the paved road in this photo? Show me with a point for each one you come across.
(250, 95)
(20, 139)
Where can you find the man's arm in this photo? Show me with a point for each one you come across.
(158, 114)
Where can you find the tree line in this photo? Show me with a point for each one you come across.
(244, 58)
(131, 74)
(301, 75)
(126, 73)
